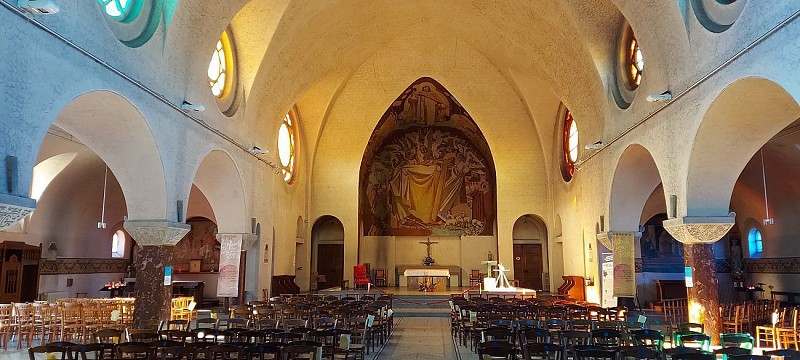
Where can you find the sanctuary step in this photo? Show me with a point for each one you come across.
(421, 305)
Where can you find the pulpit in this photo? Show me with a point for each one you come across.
(19, 271)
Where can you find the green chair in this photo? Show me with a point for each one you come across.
(741, 340)
(696, 340)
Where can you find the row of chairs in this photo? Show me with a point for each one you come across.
(170, 351)
(61, 320)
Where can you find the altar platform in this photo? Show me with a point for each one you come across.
(448, 291)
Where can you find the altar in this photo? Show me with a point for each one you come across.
(427, 279)
(410, 275)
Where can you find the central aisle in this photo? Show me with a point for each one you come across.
(420, 338)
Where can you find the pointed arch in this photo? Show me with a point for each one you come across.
(427, 168)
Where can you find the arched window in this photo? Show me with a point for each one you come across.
(121, 10)
(221, 67)
(755, 242)
(569, 146)
(286, 146)
(635, 62)
(118, 244)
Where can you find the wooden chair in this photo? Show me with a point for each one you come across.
(224, 352)
(545, 351)
(380, 277)
(45, 350)
(108, 336)
(7, 324)
(595, 354)
(91, 351)
(475, 277)
(26, 323)
(135, 350)
(176, 353)
(266, 351)
(297, 352)
(653, 339)
(787, 335)
(71, 321)
(766, 335)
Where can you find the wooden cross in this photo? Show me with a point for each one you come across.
(428, 244)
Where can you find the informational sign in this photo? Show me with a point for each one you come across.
(229, 258)
(167, 275)
(607, 280)
(624, 267)
(687, 275)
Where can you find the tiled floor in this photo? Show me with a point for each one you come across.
(421, 338)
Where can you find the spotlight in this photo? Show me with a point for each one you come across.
(257, 150)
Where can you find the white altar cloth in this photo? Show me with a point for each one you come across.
(427, 273)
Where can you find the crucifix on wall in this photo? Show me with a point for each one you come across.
(428, 260)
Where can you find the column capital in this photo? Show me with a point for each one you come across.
(699, 229)
(156, 232)
(606, 238)
(14, 208)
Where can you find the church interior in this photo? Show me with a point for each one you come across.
(634, 156)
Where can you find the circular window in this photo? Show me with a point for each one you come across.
(569, 146)
(120, 10)
(220, 67)
(286, 148)
(718, 15)
(635, 63)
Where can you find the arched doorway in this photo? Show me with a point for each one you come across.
(327, 252)
(530, 253)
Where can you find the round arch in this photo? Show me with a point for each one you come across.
(327, 251)
(220, 180)
(739, 121)
(635, 178)
(118, 133)
(531, 249)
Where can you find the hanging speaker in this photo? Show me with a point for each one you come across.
(11, 174)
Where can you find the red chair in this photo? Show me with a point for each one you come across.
(360, 276)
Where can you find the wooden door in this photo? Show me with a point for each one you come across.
(528, 265)
(330, 263)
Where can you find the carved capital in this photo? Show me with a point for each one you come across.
(14, 209)
(606, 238)
(699, 229)
(156, 232)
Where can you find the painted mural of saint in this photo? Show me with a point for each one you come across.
(426, 105)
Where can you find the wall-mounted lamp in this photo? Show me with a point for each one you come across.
(255, 150)
(187, 106)
(665, 96)
(597, 145)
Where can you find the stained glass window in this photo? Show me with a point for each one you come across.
(286, 147)
(122, 10)
(570, 146)
(756, 244)
(635, 62)
(118, 244)
(220, 67)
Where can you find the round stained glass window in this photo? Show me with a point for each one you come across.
(121, 10)
(220, 67)
(286, 148)
(635, 63)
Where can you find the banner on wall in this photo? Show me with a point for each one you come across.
(624, 266)
(607, 280)
(230, 254)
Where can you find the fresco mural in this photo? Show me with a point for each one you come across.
(427, 169)
(199, 244)
(661, 253)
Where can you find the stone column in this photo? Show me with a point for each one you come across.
(697, 235)
(13, 209)
(156, 241)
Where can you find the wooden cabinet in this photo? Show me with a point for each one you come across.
(19, 271)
